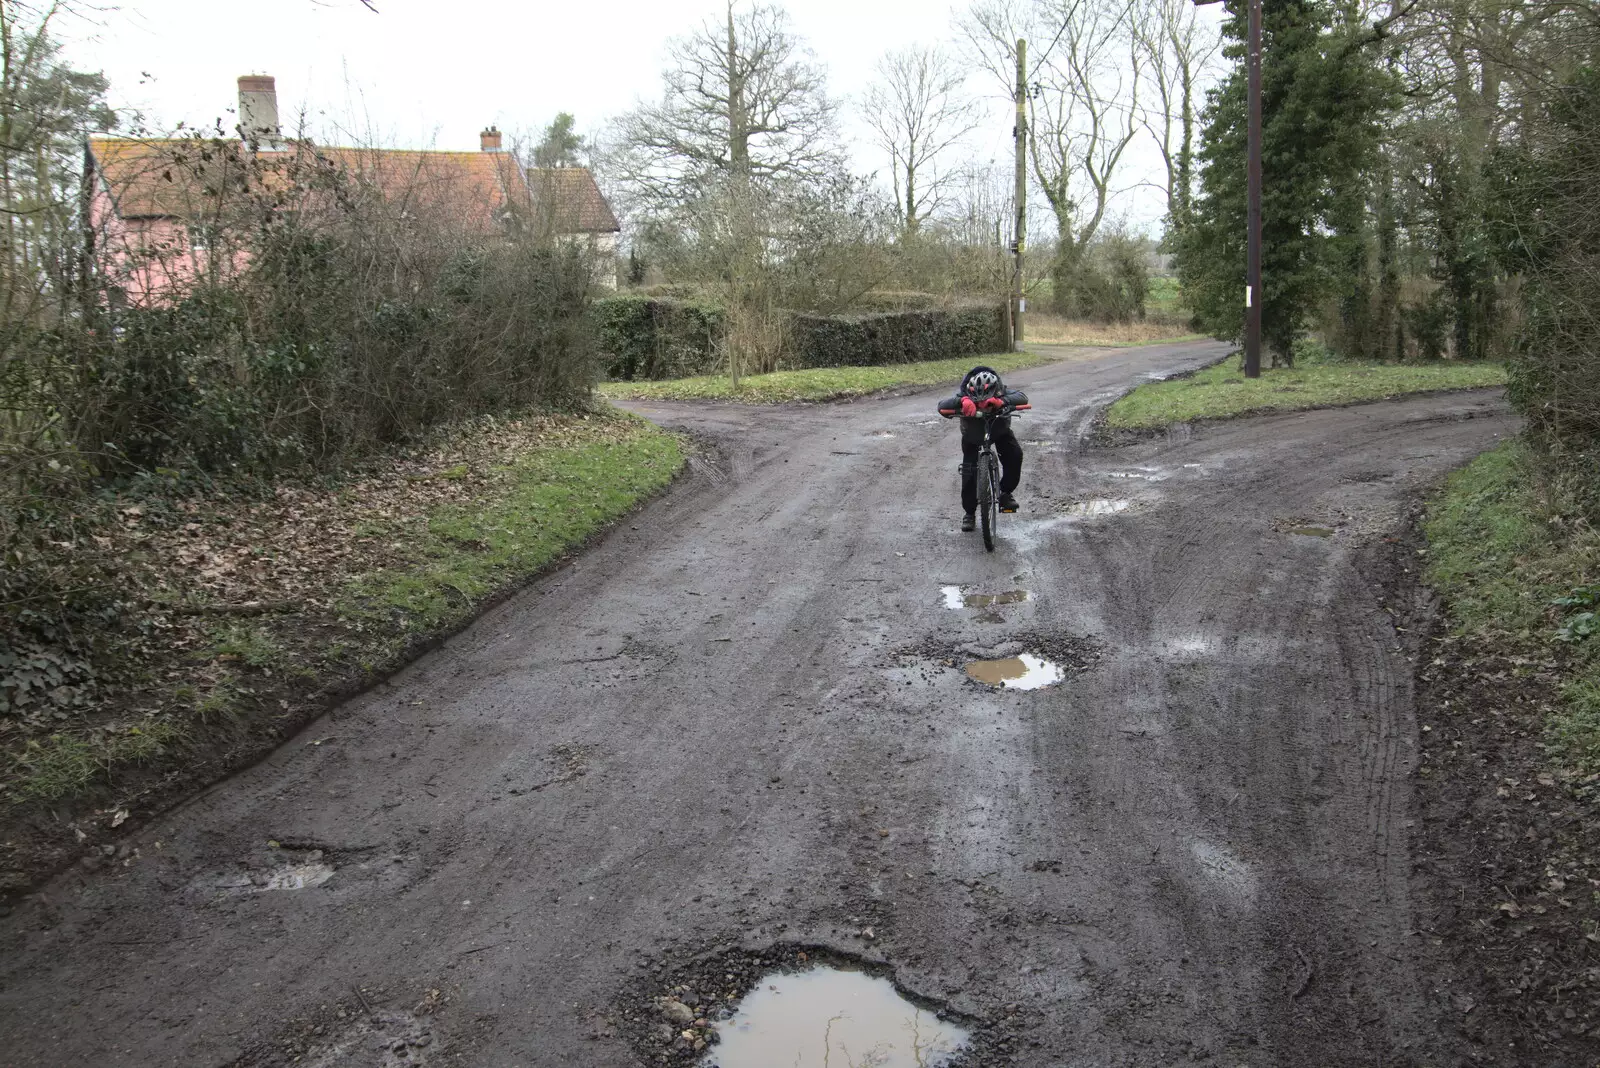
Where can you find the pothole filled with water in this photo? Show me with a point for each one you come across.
(882, 434)
(706, 1004)
(1096, 507)
(313, 872)
(830, 1016)
(957, 598)
(1305, 526)
(1024, 672)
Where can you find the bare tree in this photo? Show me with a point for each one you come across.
(1083, 100)
(917, 113)
(1175, 46)
(743, 99)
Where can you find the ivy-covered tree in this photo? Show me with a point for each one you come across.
(1324, 100)
(560, 146)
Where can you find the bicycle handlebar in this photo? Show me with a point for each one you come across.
(990, 414)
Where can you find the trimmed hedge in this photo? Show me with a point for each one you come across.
(646, 337)
(894, 337)
(649, 337)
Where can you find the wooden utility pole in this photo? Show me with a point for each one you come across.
(1252, 238)
(1252, 301)
(1020, 234)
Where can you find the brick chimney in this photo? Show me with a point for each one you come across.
(489, 140)
(258, 110)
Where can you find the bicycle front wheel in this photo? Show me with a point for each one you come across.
(989, 499)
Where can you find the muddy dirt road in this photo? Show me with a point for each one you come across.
(733, 722)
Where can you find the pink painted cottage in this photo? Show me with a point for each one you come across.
(165, 213)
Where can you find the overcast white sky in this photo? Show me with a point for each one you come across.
(432, 73)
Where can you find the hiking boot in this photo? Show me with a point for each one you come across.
(1008, 503)
(969, 523)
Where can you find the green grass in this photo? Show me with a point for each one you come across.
(60, 765)
(1502, 548)
(1222, 390)
(253, 645)
(819, 383)
(552, 501)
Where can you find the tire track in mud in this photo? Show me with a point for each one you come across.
(708, 731)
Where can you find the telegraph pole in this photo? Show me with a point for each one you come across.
(1252, 267)
(1252, 301)
(1020, 133)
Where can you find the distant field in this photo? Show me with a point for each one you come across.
(1046, 329)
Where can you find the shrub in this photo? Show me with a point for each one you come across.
(642, 336)
(1108, 282)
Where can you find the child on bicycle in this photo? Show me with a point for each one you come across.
(983, 394)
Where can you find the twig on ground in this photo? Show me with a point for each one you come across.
(1305, 981)
(246, 608)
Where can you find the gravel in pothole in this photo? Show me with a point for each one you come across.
(1022, 661)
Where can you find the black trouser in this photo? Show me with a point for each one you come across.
(1005, 444)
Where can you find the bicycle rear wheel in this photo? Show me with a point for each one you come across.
(988, 499)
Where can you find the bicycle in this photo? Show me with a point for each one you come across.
(988, 476)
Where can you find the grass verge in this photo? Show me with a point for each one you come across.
(1221, 391)
(245, 616)
(1517, 566)
(817, 383)
(548, 502)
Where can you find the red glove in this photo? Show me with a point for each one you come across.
(994, 404)
(968, 408)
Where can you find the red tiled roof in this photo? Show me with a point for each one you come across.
(198, 179)
(575, 201)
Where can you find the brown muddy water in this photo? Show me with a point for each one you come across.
(828, 1017)
(1025, 672)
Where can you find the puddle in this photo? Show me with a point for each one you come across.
(882, 434)
(288, 877)
(1102, 506)
(1146, 474)
(1312, 532)
(831, 1016)
(1226, 867)
(1024, 672)
(956, 598)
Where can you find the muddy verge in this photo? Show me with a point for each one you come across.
(93, 825)
(1507, 867)
(670, 1012)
